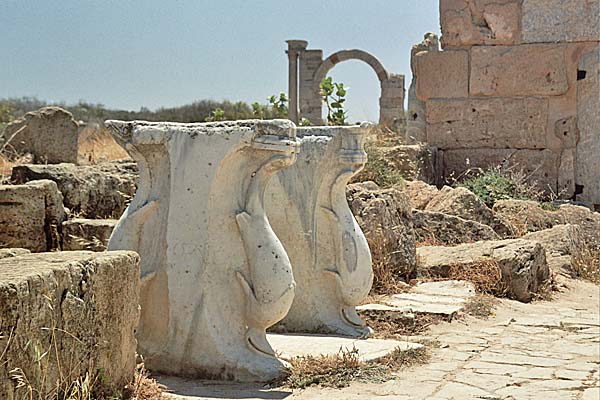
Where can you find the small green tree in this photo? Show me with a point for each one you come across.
(334, 96)
(258, 110)
(279, 104)
(216, 115)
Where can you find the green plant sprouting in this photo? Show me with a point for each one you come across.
(334, 97)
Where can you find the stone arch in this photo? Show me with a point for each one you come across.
(307, 69)
(345, 55)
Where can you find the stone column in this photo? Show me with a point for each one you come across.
(294, 49)
(307, 207)
(416, 125)
(214, 275)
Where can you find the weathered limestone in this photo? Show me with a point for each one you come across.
(508, 71)
(420, 193)
(6, 253)
(452, 83)
(522, 262)
(77, 309)
(214, 275)
(588, 121)
(31, 216)
(560, 21)
(564, 245)
(50, 134)
(87, 234)
(385, 216)
(490, 22)
(462, 203)
(307, 207)
(416, 129)
(527, 216)
(518, 123)
(449, 230)
(310, 67)
(91, 191)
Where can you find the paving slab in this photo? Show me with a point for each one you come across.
(289, 346)
(441, 298)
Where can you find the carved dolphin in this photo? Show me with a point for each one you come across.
(352, 271)
(269, 288)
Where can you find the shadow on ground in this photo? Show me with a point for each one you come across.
(180, 389)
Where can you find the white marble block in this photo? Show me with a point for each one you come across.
(214, 275)
(307, 207)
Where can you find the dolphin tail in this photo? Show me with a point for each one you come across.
(257, 339)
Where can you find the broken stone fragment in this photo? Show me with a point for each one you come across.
(522, 263)
(463, 203)
(91, 191)
(385, 217)
(50, 134)
(449, 230)
(87, 234)
(31, 216)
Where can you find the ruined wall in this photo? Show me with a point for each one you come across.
(516, 84)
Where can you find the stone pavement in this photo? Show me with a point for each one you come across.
(544, 350)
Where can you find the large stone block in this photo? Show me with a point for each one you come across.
(442, 74)
(91, 191)
(87, 234)
(31, 216)
(307, 207)
(479, 22)
(522, 262)
(463, 203)
(518, 123)
(502, 71)
(64, 315)
(214, 275)
(50, 134)
(560, 242)
(385, 216)
(540, 166)
(588, 121)
(547, 21)
(449, 230)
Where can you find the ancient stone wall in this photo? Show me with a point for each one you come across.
(516, 85)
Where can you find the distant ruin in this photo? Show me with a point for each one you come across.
(307, 69)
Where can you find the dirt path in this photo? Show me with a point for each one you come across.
(544, 350)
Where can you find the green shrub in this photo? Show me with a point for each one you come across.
(496, 184)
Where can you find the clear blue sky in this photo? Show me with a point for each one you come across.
(133, 53)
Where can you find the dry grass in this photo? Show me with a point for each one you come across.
(588, 266)
(346, 367)
(97, 145)
(486, 275)
(395, 325)
(481, 306)
(143, 387)
(430, 240)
